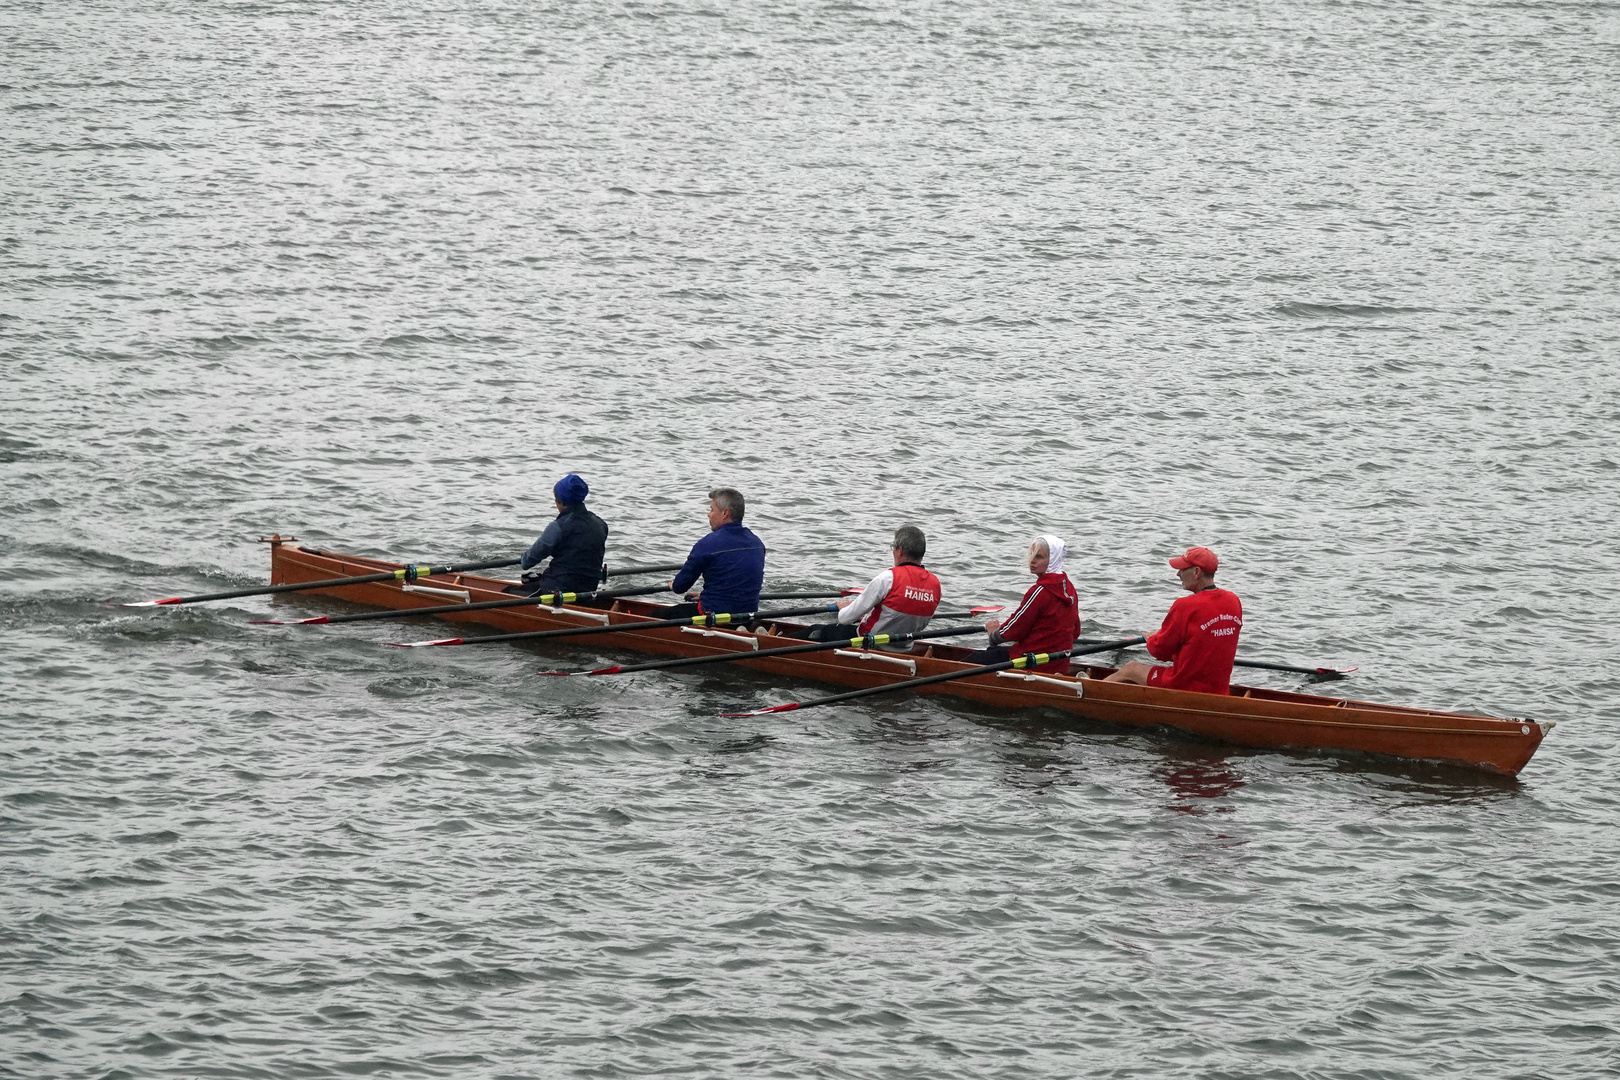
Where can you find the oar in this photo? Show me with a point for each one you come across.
(519, 601)
(482, 605)
(739, 618)
(407, 573)
(656, 568)
(1318, 674)
(1026, 660)
(1321, 674)
(867, 641)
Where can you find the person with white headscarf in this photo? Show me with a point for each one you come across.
(1048, 617)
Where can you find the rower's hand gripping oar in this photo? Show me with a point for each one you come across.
(543, 599)
(866, 641)
(403, 574)
(737, 619)
(1317, 674)
(1026, 660)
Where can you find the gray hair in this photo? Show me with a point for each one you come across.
(728, 499)
(911, 542)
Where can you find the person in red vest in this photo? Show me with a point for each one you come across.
(1047, 618)
(1199, 636)
(900, 600)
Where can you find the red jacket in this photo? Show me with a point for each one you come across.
(1046, 620)
(1199, 638)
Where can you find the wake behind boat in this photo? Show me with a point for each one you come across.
(1249, 716)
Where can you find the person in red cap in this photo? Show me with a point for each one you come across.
(1199, 636)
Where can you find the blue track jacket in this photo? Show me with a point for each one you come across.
(731, 562)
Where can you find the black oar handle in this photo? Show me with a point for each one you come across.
(406, 573)
(867, 641)
(734, 619)
(1026, 660)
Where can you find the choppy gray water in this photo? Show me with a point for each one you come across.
(1328, 287)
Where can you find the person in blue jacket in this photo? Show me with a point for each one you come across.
(575, 543)
(730, 560)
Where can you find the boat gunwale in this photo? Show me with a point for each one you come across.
(1241, 707)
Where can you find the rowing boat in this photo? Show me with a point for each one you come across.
(1249, 716)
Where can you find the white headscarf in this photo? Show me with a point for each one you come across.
(1055, 550)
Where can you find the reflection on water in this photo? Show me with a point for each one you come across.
(1424, 783)
(905, 730)
(747, 745)
(1195, 778)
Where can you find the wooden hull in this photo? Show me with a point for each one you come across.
(1250, 716)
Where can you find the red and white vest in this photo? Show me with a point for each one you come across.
(911, 602)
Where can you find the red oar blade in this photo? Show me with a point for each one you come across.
(986, 609)
(153, 603)
(425, 644)
(789, 707)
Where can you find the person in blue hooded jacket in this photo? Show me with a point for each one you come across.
(575, 543)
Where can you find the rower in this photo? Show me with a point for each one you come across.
(574, 542)
(1048, 617)
(730, 560)
(1199, 636)
(901, 600)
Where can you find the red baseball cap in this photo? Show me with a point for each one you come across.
(1203, 558)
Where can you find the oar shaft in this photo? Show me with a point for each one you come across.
(481, 605)
(722, 619)
(407, 573)
(1325, 672)
(1026, 660)
(867, 641)
(509, 602)
(626, 571)
(658, 569)
(404, 574)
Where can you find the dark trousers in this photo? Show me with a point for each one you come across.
(825, 632)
